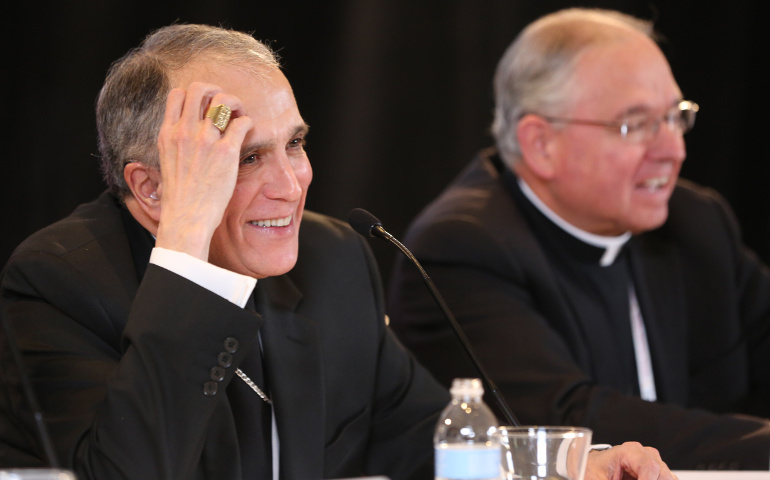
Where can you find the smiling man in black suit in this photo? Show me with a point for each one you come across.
(153, 353)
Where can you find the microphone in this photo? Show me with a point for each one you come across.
(367, 225)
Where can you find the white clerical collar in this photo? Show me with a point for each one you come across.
(611, 245)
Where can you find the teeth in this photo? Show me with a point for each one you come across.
(274, 222)
(653, 184)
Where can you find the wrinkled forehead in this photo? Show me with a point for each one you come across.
(260, 92)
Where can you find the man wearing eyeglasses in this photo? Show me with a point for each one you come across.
(596, 287)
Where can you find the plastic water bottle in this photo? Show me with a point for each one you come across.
(465, 445)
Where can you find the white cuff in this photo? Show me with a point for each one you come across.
(598, 447)
(227, 284)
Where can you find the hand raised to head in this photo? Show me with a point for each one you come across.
(199, 166)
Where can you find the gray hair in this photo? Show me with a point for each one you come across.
(132, 102)
(533, 75)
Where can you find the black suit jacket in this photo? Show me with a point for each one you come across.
(119, 358)
(704, 298)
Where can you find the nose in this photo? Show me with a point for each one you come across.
(282, 182)
(668, 144)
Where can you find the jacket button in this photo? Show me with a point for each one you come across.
(225, 359)
(231, 345)
(217, 374)
(210, 388)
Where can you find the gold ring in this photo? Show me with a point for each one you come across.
(220, 115)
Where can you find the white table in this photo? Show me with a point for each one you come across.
(721, 475)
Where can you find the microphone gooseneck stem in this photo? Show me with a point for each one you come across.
(489, 385)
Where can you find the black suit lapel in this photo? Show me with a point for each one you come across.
(292, 350)
(518, 231)
(252, 415)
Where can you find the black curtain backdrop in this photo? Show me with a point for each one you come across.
(398, 95)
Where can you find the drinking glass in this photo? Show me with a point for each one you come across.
(543, 452)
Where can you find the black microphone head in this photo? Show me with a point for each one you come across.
(363, 222)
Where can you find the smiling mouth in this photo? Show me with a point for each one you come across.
(273, 222)
(654, 184)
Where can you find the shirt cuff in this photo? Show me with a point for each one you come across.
(229, 285)
(598, 447)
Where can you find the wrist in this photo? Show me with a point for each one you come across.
(189, 241)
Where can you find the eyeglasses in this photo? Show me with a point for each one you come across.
(641, 128)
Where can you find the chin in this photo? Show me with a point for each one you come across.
(273, 269)
(650, 223)
(259, 266)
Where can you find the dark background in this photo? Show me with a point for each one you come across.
(398, 95)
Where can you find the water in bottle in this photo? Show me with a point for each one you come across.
(465, 445)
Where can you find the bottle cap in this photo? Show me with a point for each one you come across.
(467, 387)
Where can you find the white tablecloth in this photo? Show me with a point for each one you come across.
(721, 475)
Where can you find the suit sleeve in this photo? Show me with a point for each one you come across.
(120, 405)
(502, 308)
(752, 287)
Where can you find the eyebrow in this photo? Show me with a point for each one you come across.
(640, 109)
(301, 129)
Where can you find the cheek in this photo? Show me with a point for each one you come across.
(620, 168)
(604, 183)
(221, 244)
(246, 190)
(233, 220)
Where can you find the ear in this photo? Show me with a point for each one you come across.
(144, 183)
(538, 145)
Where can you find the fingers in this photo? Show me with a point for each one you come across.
(219, 115)
(186, 126)
(190, 105)
(644, 463)
(174, 104)
(654, 469)
(630, 460)
(199, 165)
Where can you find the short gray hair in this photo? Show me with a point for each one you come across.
(132, 102)
(533, 75)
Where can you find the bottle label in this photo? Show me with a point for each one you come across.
(467, 461)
